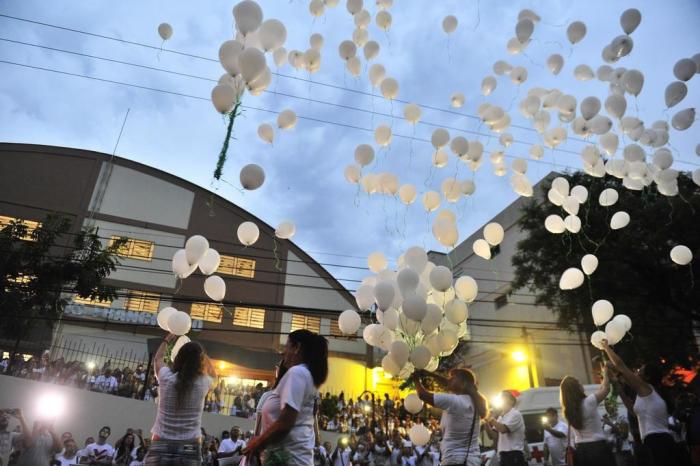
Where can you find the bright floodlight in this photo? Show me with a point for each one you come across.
(51, 406)
(497, 402)
(90, 365)
(519, 356)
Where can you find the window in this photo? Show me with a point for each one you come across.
(501, 301)
(249, 317)
(335, 329)
(237, 266)
(142, 301)
(30, 224)
(91, 302)
(21, 279)
(206, 311)
(300, 321)
(134, 248)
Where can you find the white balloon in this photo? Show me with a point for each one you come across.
(195, 248)
(181, 266)
(571, 279)
(494, 233)
(209, 262)
(624, 320)
(391, 318)
(583, 73)
(389, 88)
(681, 255)
(165, 31)
(370, 50)
(576, 32)
(633, 81)
(215, 288)
(412, 403)
(364, 154)
(449, 24)
(248, 16)
(518, 75)
(590, 106)
(524, 29)
(683, 119)
(389, 365)
(441, 278)
(179, 323)
(555, 62)
(614, 331)
(630, 19)
(431, 201)
(248, 233)
(316, 8)
(456, 311)
(457, 100)
(384, 294)
(621, 46)
(488, 85)
(362, 18)
(400, 352)
(619, 220)
(416, 258)
(252, 176)
(360, 37)
(447, 340)
(466, 288)
(285, 230)
(411, 113)
(597, 339)
(286, 119)
(420, 357)
(419, 435)
(266, 133)
(347, 49)
(279, 56)
(352, 173)
(589, 263)
(376, 73)
(383, 20)
(252, 63)
(377, 262)
(407, 194)
(608, 197)
(572, 223)
(482, 249)
(554, 224)
(354, 6)
(414, 307)
(163, 317)
(272, 34)
(602, 311)
(407, 279)
(382, 135)
(223, 97)
(684, 69)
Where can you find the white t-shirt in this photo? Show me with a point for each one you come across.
(557, 446)
(457, 417)
(592, 427)
(228, 445)
(179, 422)
(61, 458)
(514, 440)
(296, 389)
(408, 461)
(342, 458)
(106, 384)
(99, 452)
(652, 414)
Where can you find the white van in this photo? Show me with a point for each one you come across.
(532, 404)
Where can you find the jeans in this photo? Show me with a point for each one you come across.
(174, 453)
(662, 449)
(593, 454)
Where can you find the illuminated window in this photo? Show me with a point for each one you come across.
(91, 302)
(142, 301)
(335, 329)
(300, 321)
(30, 224)
(249, 317)
(21, 279)
(134, 248)
(237, 266)
(206, 311)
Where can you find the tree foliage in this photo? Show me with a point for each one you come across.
(635, 271)
(42, 268)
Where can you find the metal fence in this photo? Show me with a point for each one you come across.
(96, 355)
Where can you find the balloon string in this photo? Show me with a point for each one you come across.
(478, 15)
(410, 152)
(161, 49)
(449, 56)
(670, 213)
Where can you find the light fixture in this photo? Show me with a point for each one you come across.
(50, 406)
(519, 356)
(497, 402)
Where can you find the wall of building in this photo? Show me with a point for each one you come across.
(86, 412)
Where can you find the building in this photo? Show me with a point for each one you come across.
(528, 355)
(271, 285)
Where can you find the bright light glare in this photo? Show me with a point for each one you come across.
(497, 402)
(544, 419)
(51, 406)
(91, 365)
(367, 408)
(519, 356)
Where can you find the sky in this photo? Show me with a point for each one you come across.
(335, 222)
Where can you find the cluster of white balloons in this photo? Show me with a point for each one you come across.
(570, 200)
(615, 327)
(178, 323)
(421, 313)
(197, 253)
(493, 236)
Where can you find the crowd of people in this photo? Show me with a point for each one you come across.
(659, 426)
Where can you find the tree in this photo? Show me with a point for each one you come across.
(42, 267)
(635, 272)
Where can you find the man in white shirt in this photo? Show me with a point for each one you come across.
(509, 430)
(408, 455)
(232, 447)
(106, 383)
(555, 439)
(341, 454)
(100, 452)
(69, 456)
(362, 456)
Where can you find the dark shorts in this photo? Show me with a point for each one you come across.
(594, 454)
(174, 453)
(512, 458)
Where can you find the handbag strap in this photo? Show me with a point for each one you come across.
(471, 432)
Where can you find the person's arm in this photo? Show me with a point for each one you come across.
(498, 427)
(158, 359)
(422, 392)
(490, 431)
(276, 432)
(604, 388)
(433, 375)
(633, 380)
(545, 453)
(482, 407)
(554, 432)
(56, 446)
(27, 437)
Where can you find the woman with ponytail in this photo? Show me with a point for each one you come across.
(462, 409)
(288, 413)
(183, 388)
(581, 413)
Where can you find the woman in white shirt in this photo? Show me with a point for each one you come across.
(651, 409)
(288, 413)
(581, 413)
(462, 410)
(182, 390)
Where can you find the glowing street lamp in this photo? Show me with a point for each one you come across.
(519, 356)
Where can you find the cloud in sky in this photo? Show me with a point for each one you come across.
(305, 166)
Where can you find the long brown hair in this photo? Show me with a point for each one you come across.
(314, 353)
(468, 381)
(189, 364)
(571, 396)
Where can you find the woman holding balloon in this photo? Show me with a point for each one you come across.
(651, 407)
(182, 390)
